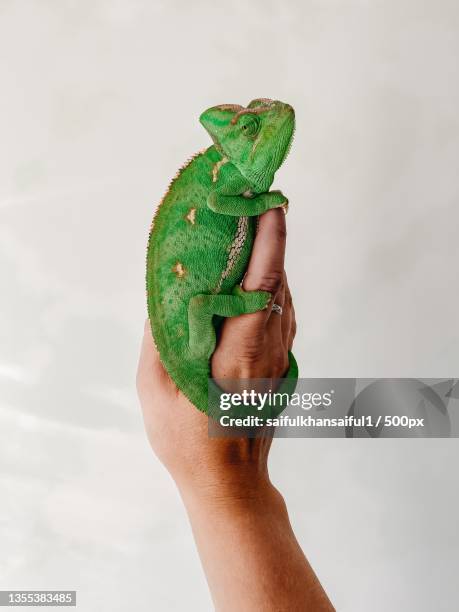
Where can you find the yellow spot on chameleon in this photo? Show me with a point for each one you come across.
(191, 216)
(179, 270)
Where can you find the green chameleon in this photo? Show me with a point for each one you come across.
(202, 236)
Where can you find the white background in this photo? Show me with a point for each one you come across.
(99, 105)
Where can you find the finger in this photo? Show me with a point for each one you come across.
(275, 319)
(287, 314)
(289, 329)
(266, 265)
(292, 329)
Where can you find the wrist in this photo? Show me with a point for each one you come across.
(222, 467)
(231, 491)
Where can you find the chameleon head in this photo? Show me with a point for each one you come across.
(256, 138)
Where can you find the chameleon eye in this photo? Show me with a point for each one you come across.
(250, 125)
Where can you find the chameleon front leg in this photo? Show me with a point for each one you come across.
(203, 307)
(241, 206)
(227, 197)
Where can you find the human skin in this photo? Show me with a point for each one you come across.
(249, 552)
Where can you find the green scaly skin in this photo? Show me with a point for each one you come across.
(202, 237)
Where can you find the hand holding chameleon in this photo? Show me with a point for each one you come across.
(202, 238)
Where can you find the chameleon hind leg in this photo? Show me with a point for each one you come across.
(203, 307)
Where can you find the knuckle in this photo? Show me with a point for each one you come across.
(251, 352)
(281, 232)
(271, 282)
(277, 225)
(280, 363)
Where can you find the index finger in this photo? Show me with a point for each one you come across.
(266, 266)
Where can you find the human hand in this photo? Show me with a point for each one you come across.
(250, 346)
(240, 522)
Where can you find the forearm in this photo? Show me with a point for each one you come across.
(249, 552)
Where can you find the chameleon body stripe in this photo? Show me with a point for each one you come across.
(234, 250)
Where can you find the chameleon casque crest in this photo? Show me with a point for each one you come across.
(202, 236)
